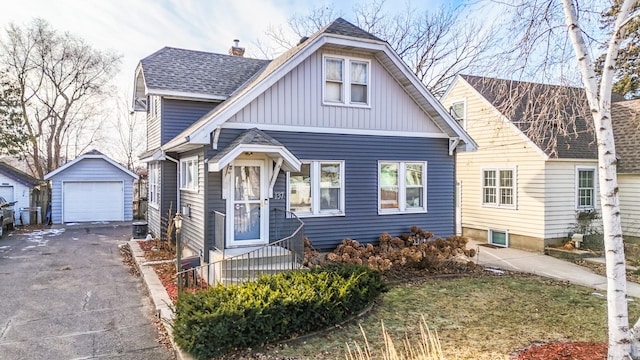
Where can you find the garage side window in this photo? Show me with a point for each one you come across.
(189, 173)
(154, 188)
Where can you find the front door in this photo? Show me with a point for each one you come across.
(247, 207)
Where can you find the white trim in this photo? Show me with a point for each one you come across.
(181, 177)
(402, 188)
(201, 134)
(328, 130)
(497, 169)
(507, 121)
(577, 184)
(490, 237)
(155, 202)
(314, 175)
(595, 161)
(290, 161)
(346, 81)
(90, 156)
(185, 95)
(264, 207)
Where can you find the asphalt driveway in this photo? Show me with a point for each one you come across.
(65, 294)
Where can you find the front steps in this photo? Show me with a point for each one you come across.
(238, 265)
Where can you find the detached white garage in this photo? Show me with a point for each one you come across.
(91, 188)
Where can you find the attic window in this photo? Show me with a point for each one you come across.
(458, 112)
(346, 81)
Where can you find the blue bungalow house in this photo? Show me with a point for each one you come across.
(337, 133)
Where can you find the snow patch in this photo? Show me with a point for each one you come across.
(495, 271)
(38, 237)
(597, 294)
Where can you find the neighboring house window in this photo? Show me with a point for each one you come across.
(154, 188)
(189, 173)
(459, 113)
(351, 86)
(585, 188)
(402, 186)
(317, 189)
(499, 187)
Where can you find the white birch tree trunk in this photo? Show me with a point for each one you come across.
(620, 337)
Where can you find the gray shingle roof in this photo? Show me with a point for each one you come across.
(626, 131)
(521, 103)
(198, 72)
(248, 137)
(341, 26)
(19, 176)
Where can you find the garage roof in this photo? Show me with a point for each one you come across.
(93, 154)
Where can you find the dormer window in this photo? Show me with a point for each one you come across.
(346, 87)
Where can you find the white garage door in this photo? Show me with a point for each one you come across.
(92, 201)
(6, 192)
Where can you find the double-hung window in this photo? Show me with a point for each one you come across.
(585, 187)
(317, 189)
(154, 186)
(346, 81)
(402, 186)
(499, 187)
(189, 173)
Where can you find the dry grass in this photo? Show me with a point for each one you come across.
(485, 317)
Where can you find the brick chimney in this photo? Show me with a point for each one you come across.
(236, 50)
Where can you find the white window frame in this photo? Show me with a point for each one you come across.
(498, 187)
(464, 109)
(346, 81)
(594, 196)
(490, 237)
(402, 188)
(193, 185)
(314, 174)
(153, 188)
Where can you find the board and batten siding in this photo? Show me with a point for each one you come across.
(177, 115)
(561, 196)
(193, 227)
(361, 154)
(629, 185)
(90, 170)
(499, 146)
(153, 123)
(296, 100)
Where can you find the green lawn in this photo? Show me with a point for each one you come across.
(484, 317)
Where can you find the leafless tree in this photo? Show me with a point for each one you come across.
(436, 45)
(130, 131)
(61, 80)
(554, 38)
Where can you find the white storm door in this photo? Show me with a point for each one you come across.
(247, 205)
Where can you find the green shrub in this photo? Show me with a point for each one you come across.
(212, 322)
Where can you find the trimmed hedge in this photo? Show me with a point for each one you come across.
(212, 322)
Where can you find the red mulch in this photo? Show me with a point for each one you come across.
(564, 351)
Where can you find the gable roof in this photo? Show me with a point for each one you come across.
(180, 71)
(626, 131)
(93, 154)
(339, 33)
(522, 103)
(19, 176)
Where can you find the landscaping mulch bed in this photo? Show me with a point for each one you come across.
(404, 277)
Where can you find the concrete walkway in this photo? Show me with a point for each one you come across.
(543, 265)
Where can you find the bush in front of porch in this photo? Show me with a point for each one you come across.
(212, 322)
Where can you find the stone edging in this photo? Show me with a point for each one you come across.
(159, 296)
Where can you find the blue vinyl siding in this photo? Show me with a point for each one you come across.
(361, 154)
(90, 170)
(177, 115)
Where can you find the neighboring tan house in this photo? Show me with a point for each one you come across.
(626, 130)
(28, 192)
(521, 189)
(337, 132)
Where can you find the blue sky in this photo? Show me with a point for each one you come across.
(137, 28)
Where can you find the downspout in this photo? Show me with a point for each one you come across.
(177, 179)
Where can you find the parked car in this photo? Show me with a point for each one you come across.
(7, 218)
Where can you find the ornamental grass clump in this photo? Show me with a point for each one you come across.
(217, 320)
